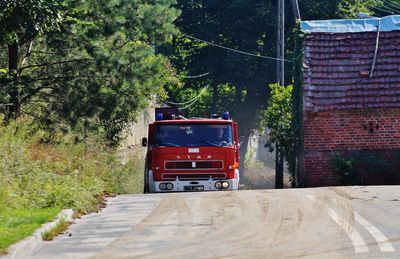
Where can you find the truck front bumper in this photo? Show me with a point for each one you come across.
(193, 185)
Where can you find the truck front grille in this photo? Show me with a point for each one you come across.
(195, 176)
(184, 165)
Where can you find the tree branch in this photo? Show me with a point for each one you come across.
(122, 45)
(60, 78)
(6, 104)
(50, 53)
(130, 39)
(34, 92)
(58, 63)
(28, 53)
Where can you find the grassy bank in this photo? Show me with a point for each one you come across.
(42, 173)
(16, 224)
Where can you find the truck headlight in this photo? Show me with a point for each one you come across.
(163, 186)
(170, 186)
(225, 185)
(218, 185)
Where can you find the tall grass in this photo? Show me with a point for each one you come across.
(47, 170)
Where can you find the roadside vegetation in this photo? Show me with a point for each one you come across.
(42, 173)
(366, 167)
(18, 223)
(57, 230)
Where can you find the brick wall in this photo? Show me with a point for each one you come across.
(347, 106)
(343, 130)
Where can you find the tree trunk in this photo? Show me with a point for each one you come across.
(214, 99)
(13, 59)
(278, 167)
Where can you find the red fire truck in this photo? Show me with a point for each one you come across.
(195, 154)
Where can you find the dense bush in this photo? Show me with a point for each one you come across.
(40, 170)
(365, 167)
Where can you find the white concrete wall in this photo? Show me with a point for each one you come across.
(132, 145)
(259, 170)
(138, 130)
(257, 153)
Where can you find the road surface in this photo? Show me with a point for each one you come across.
(342, 222)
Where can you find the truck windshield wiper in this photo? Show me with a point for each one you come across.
(168, 144)
(210, 143)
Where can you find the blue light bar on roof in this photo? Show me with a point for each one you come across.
(159, 117)
(225, 115)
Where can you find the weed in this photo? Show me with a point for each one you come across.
(57, 230)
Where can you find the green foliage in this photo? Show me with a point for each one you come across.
(297, 101)
(42, 172)
(209, 20)
(345, 169)
(359, 167)
(202, 106)
(57, 230)
(22, 21)
(63, 175)
(351, 8)
(93, 68)
(328, 9)
(278, 118)
(16, 224)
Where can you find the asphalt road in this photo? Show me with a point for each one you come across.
(355, 222)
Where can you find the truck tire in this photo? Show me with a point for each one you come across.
(146, 182)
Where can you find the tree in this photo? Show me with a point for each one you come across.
(20, 23)
(278, 119)
(97, 67)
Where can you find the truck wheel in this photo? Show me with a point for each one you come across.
(146, 182)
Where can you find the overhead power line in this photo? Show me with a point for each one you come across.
(393, 5)
(235, 50)
(198, 76)
(190, 101)
(382, 10)
(189, 105)
(389, 7)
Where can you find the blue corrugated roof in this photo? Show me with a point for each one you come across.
(388, 23)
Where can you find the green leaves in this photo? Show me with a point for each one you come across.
(21, 21)
(328, 9)
(92, 62)
(157, 21)
(278, 117)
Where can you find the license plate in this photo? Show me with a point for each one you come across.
(194, 188)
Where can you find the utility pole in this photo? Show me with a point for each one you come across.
(280, 44)
(280, 73)
(295, 8)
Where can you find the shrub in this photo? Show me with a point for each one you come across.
(361, 167)
(345, 169)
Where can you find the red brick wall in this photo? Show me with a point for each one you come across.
(330, 131)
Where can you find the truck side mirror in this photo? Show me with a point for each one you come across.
(144, 142)
(241, 140)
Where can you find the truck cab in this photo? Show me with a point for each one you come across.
(194, 154)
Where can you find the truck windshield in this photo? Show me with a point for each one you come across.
(193, 135)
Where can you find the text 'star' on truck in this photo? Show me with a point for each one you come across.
(195, 154)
